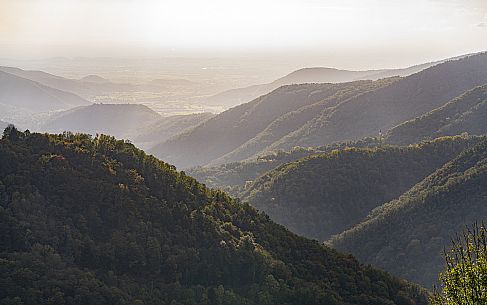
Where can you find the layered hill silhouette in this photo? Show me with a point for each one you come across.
(289, 122)
(407, 236)
(26, 96)
(119, 120)
(236, 177)
(359, 113)
(467, 113)
(324, 194)
(87, 87)
(166, 127)
(238, 96)
(94, 79)
(266, 118)
(96, 221)
(387, 107)
(91, 86)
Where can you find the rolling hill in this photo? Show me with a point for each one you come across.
(407, 236)
(96, 221)
(467, 113)
(349, 111)
(166, 127)
(323, 194)
(87, 87)
(94, 79)
(26, 96)
(234, 178)
(233, 97)
(266, 118)
(92, 86)
(387, 107)
(119, 120)
(290, 121)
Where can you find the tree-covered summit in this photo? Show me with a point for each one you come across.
(97, 221)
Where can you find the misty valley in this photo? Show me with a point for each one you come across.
(229, 152)
(324, 186)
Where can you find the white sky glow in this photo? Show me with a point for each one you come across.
(76, 27)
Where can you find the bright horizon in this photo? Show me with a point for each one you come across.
(352, 34)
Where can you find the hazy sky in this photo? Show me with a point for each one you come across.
(410, 30)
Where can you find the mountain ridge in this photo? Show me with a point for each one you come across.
(230, 129)
(364, 114)
(324, 194)
(389, 106)
(116, 119)
(237, 96)
(466, 113)
(99, 221)
(32, 97)
(407, 236)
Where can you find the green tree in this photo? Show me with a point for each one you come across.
(11, 133)
(464, 282)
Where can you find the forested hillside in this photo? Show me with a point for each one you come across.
(319, 114)
(324, 194)
(235, 177)
(382, 109)
(96, 221)
(293, 120)
(466, 113)
(407, 236)
(268, 117)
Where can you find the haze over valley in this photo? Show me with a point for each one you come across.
(243, 152)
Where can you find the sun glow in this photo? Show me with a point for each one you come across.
(80, 26)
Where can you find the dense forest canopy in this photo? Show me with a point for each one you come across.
(384, 108)
(236, 177)
(323, 194)
(94, 220)
(406, 236)
(464, 114)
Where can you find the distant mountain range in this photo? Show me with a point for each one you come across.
(94, 79)
(238, 96)
(27, 96)
(134, 122)
(45, 102)
(387, 168)
(112, 119)
(288, 107)
(317, 114)
(167, 127)
(92, 86)
(87, 87)
(382, 109)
